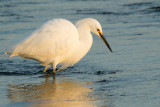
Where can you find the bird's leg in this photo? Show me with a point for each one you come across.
(54, 70)
(45, 69)
(54, 77)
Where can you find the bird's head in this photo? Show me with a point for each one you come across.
(94, 26)
(97, 30)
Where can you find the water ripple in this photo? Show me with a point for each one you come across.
(101, 12)
(19, 73)
(138, 4)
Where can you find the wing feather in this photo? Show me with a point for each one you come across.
(54, 38)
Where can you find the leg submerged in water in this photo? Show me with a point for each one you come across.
(54, 73)
(54, 68)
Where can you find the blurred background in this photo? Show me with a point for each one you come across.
(128, 77)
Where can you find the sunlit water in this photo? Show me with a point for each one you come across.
(128, 77)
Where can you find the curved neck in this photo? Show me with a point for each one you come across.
(85, 41)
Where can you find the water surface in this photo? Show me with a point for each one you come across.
(128, 77)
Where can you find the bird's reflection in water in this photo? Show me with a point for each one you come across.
(52, 94)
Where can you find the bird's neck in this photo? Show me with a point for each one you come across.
(85, 41)
(84, 34)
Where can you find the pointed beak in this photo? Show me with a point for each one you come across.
(104, 40)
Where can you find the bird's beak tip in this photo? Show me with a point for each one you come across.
(105, 41)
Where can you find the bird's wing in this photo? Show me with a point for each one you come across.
(54, 38)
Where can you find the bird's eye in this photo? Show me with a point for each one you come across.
(98, 31)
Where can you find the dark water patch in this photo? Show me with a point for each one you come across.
(19, 73)
(99, 72)
(19, 67)
(143, 26)
(106, 72)
(8, 13)
(135, 36)
(92, 70)
(153, 9)
(140, 7)
(35, 73)
(11, 73)
(7, 6)
(138, 34)
(138, 4)
(2, 39)
(103, 81)
(156, 77)
(22, 17)
(14, 16)
(31, 2)
(5, 61)
(4, 0)
(2, 68)
(77, 72)
(101, 12)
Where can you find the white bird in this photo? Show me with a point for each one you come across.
(59, 42)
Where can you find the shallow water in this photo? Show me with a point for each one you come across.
(128, 77)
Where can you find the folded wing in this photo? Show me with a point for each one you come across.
(54, 38)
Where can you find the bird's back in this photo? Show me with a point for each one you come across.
(52, 40)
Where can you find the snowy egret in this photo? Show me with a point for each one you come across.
(59, 42)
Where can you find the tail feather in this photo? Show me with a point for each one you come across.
(10, 54)
(6, 53)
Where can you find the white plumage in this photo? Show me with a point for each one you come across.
(58, 41)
